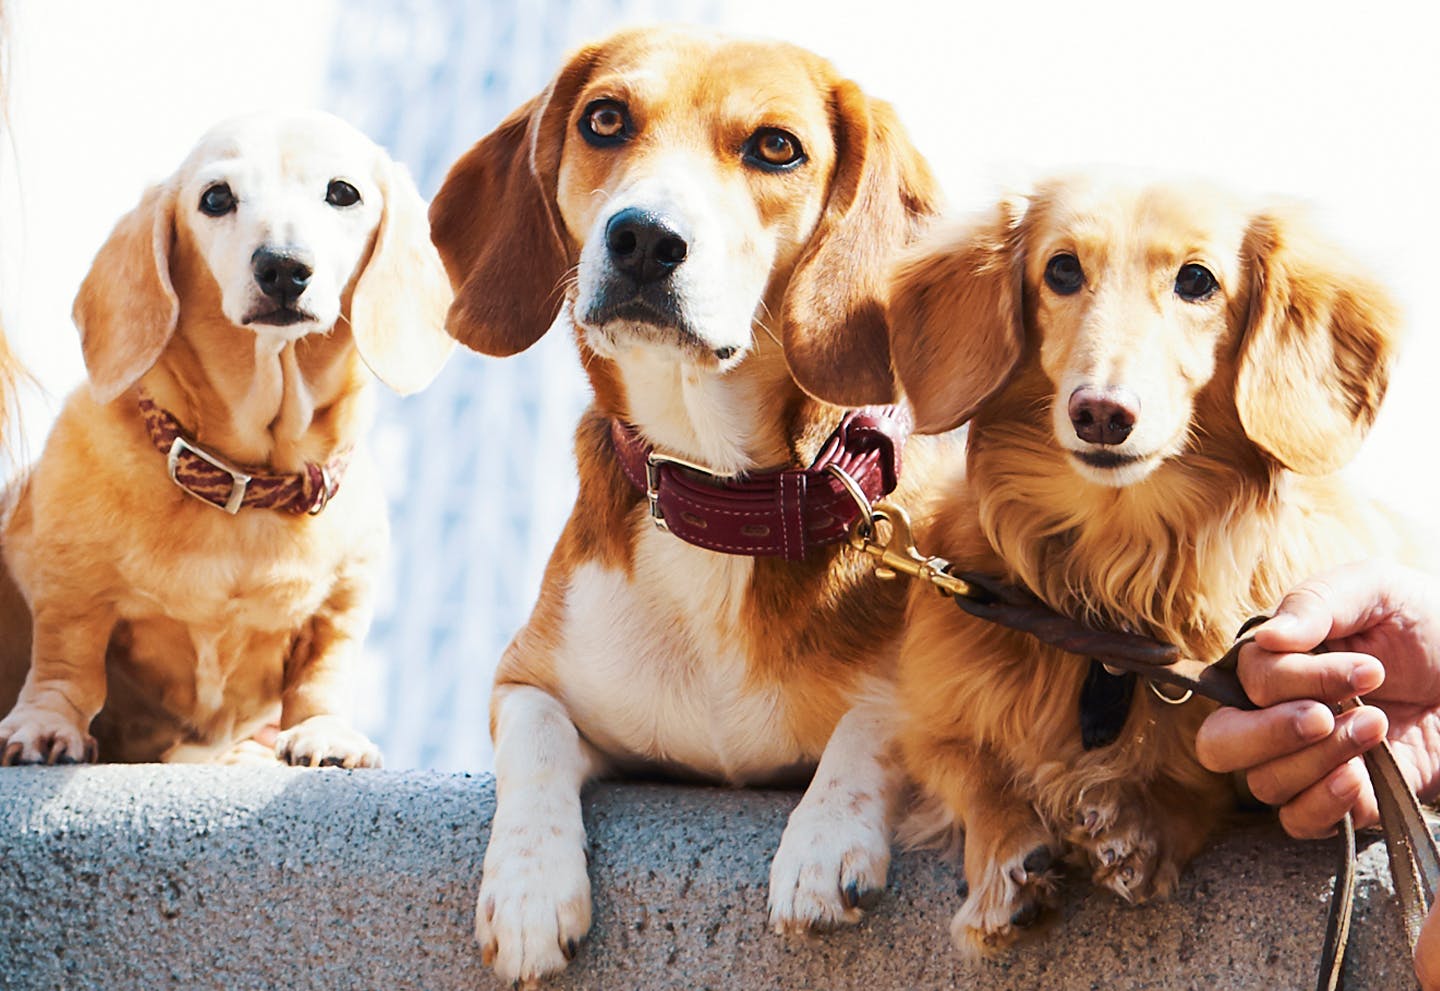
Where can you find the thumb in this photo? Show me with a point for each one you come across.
(1302, 621)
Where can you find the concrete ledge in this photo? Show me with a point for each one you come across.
(122, 878)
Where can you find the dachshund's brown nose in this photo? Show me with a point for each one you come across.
(644, 246)
(1103, 416)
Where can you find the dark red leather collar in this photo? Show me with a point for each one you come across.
(774, 513)
(213, 480)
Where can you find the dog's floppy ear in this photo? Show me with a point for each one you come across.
(1318, 346)
(397, 312)
(497, 227)
(127, 308)
(957, 318)
(835, 336)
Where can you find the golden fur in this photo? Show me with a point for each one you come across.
(662, 656)
(1250, 399)
(178, 628)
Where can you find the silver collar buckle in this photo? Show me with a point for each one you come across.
(654, 461)
(239, 481)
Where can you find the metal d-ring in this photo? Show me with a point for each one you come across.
(1155, 690)
(852, 487)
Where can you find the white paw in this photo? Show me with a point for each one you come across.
(326, 741)
(534, 905)
(248, 753)
(830, 867)
(32, 734)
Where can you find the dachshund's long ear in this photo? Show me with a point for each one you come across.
(835, 335)
(496, 223)
(127, 308)
(397, 312)
(1318, 346)
(957, 318)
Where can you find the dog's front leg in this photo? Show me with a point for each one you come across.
(312, 733)
(534, 904)
(64, 688)
(835, 852)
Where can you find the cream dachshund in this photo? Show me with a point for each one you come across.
(1161, 382)
(712, 219)
(198, 541)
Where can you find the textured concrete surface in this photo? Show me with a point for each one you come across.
(122, 878)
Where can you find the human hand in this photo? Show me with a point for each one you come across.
(1381, 625)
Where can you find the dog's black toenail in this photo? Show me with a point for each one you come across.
(333, 762)
(1026, 916)
(570, 947)
(1038, 860)
(963, 888)
(850, 894)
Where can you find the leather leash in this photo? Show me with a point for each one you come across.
(1414, 858)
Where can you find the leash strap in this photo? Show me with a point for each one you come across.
(884, 532)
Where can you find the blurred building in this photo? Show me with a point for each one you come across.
(479, 466)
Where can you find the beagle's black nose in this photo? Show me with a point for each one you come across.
(282, 275)
(644, 246)
(1103, 416)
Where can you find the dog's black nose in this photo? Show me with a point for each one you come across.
(644, 246)
(282, 275)
(1103, 416)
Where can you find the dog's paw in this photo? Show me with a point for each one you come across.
(326, 741)
(534, 904)
(1008, 898)
(35, 735)
(1115, 835)
(829, 870)
(249, 753)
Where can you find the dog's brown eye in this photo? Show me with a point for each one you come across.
(341, 193)
(1064, 274)
(217, 201)
(605, 123)
(774, 149)
(1194, 283)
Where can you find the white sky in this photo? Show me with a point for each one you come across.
(1330, 102)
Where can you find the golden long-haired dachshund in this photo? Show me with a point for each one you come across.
(1161, 383)
(199, 539)
(714, 220)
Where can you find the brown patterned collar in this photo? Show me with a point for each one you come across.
(213, 480)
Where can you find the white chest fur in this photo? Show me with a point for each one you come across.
(654, 666)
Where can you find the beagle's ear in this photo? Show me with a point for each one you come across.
(497, 226)
(1318, 346)
(127, 308)
(397, 312)
(835, 336)
(957, 318)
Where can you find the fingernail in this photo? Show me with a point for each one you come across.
(1343, 786)
(1366, 676)
(1313, 722)
(1367, 726)
(1281, 622)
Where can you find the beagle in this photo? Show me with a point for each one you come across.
(712, 220)
(198, 541)
(1161, 382)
